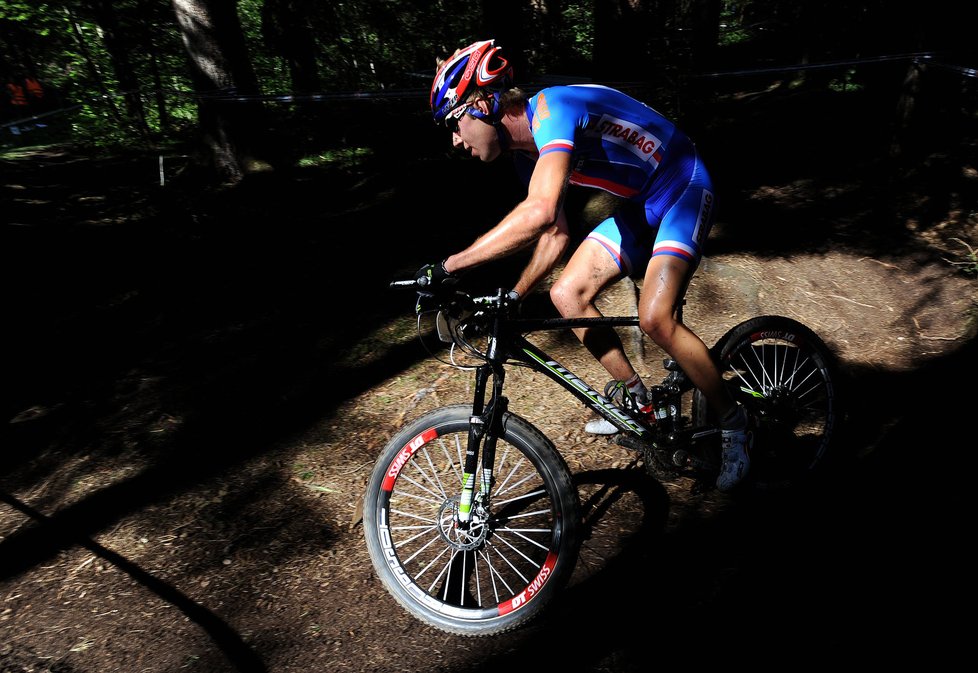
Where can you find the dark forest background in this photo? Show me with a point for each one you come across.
(204, 201)
(254, 141)
(257, 85)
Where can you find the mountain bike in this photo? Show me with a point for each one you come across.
(471, 518)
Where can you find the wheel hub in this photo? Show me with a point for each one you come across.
(462, 536)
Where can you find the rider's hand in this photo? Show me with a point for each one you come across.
(432, 275)
(511, 300)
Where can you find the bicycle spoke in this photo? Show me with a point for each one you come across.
(498, 573)
(473, 574)
(418, 552)
(459, 575)
(506, 542)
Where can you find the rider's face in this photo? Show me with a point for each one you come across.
(475, 136)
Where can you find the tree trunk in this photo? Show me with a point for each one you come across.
(285, 26)
(225, 84)
(905, 110)
(97, 79)
(502, 21)
(119, 54)
(699, 21)
(622, 31)
(158, 95)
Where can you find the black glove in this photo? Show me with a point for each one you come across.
(432, 275)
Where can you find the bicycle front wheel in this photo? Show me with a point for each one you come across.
(787, 378)
(499, 569)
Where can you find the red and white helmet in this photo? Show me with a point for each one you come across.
(478, 66)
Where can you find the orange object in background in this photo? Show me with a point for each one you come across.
(17, 95)
(34, 88)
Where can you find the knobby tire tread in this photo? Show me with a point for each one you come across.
(548, 464)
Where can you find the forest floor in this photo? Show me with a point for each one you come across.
(197, 384)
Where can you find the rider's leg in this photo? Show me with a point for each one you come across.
(590, 270)
(665, 282)
(662, 290)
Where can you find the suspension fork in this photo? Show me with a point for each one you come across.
(485, 426)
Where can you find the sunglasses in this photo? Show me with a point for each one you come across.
(455, 115)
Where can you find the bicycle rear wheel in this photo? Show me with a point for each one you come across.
(501, 569)
(787, 378)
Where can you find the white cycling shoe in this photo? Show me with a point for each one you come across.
(618, 393)
(599, 426)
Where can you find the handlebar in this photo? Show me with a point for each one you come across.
(477, 313)
(414, 282)
(460, 316)
(446, 298)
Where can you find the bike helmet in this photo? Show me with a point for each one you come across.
(478, 66)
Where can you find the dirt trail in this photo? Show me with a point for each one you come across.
(183, 465)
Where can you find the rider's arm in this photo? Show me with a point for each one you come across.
(526, 223)
(550, 248)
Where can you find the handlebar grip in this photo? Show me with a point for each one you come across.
(404, 283)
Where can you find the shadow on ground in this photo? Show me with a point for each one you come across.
(187, 331)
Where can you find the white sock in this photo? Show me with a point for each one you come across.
(637, 387)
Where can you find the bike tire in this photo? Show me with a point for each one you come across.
(504, 570)
(789, 381)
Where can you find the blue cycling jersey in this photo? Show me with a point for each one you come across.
(617, 142)
(627, 148)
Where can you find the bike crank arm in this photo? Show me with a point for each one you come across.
(678, 453)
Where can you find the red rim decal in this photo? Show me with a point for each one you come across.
(404, 455)
(525, 596)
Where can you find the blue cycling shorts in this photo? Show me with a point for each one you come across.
(674, 219)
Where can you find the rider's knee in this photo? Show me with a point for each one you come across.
(567, 296)
(658, 327)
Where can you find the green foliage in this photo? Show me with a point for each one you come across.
(579, 17)
(28, 28)
(343, 158)
(847, 83)
(23, 12)
(64, 45)
(386, 46)
(732, 28)
(366, 45)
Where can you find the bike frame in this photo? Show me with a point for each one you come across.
(480, 543)
(507, 343)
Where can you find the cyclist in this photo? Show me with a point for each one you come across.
(597, 137)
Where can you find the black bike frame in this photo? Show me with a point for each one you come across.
(506, 342)
(638, 431)
(524, 351)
